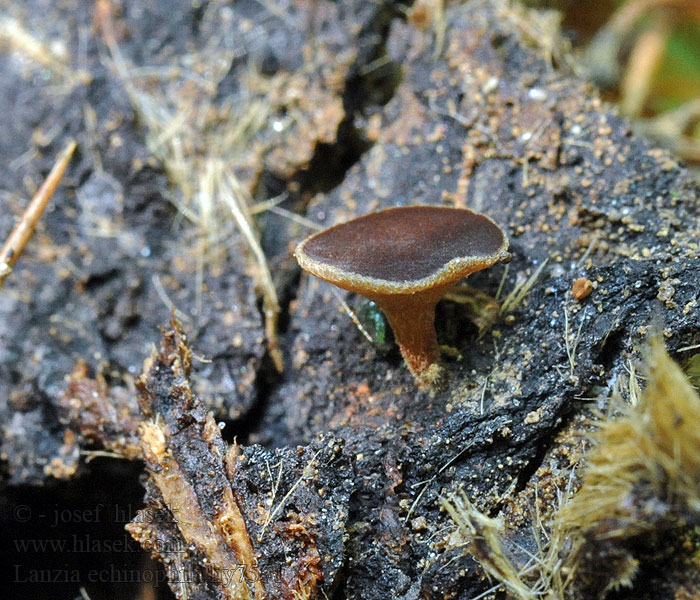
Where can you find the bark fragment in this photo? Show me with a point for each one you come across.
(241, 525)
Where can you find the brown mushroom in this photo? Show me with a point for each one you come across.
(405, 259)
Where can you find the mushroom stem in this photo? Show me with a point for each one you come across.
(412, 319)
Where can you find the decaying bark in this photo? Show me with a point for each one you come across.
(233, 523)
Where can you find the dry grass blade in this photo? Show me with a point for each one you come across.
(18, 38)
(21, 233)
(640, 480)
(569, 344)
(643, 64)
(484, 535)
(655, 442)
(272, 513)
(351, 313)
(550, 566)
(233, 196)
(518, 293)
(199, 142)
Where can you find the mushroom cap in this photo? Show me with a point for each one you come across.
(404, 250)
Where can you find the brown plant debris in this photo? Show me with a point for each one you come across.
(101, 414)
(484, 538)
(228, 522)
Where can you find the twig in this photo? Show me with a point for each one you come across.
(21, 233)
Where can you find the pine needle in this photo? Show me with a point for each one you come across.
(19, 236)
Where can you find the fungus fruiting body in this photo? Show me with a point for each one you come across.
(405, 259)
